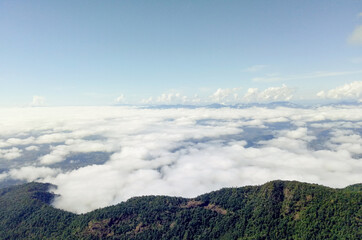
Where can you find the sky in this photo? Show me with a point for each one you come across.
(96, 53)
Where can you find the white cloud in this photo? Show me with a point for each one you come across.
(120, 99)
(225, 95)
(356, 36)
(4, 144)
(251, 94)
(20, 141)
(32, 148)
(348, 91)
(147, 101)
(322, 94)
(60, 152)
(3, 176)
(171, 98)
(31, 173)
(52, 138)
(165, 151)
(295, 141)
(282, 93)
(57, 154)
(206, 167)
(38, 101)
(11, 153)
(346, 140)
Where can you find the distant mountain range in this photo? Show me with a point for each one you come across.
(256, 104)
(275, 210)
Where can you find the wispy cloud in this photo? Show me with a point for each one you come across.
(356, 37)
(320, 74)
(255, 68)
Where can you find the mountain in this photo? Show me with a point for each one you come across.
(271, 105)
(275, 210)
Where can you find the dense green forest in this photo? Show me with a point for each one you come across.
(275, 210)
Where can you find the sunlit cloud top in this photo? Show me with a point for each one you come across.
(99, 156)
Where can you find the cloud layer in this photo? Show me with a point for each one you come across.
(348, 91)
(181, 152)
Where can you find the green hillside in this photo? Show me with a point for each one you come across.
(275, 210)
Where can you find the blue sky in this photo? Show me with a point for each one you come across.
(90, 53)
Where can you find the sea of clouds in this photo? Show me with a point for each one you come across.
(176, 151)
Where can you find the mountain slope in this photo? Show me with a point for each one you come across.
(275, 210)
(25, 213)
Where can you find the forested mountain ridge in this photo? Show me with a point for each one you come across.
(275, 210)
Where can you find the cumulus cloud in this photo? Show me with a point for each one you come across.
(31, 173)
(348, 91)
(295, 141)
(225, 95)
(147, 100)
(32, 148)
(165, 151)
(167, 98)
(120, 99)
(52, 138)
(20, 141)
(172, 98)
(282, 93)
(38, 101)
(356, 36)
(10, 154)
(346, 140)
(59, 152)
